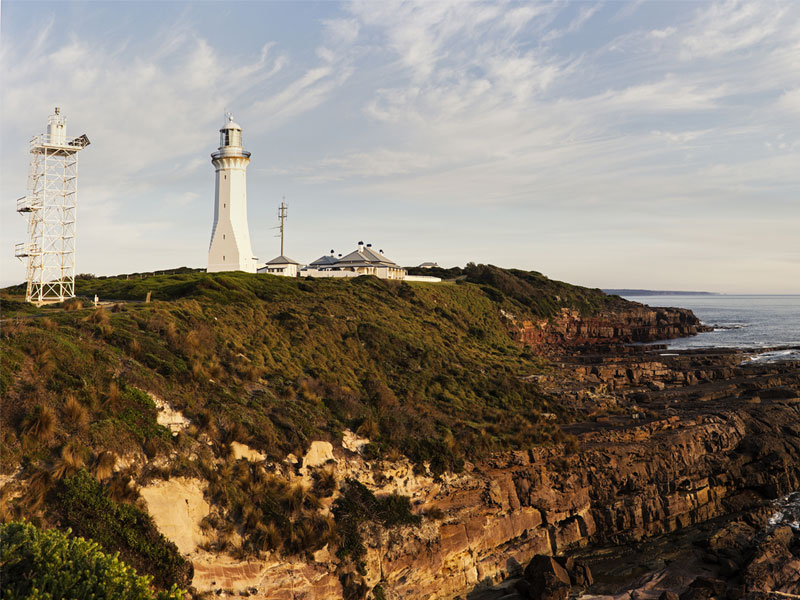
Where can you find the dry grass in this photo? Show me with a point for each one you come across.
(104, 465)
(324, 483)
(206, 423)
(72, 458)
(123, 488)
(113, 395)
(8, 511)
(38, 485)
(48, 323)
(73, 304)
(39, 349)
(101, 320)
(75, 412)
(13, 328)
(237, 433)
(40, 423)
(369, 428)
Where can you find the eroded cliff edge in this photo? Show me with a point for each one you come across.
(721, 449)
(681, 455)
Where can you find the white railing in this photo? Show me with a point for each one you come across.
(59, 142)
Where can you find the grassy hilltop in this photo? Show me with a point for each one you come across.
(424, 370)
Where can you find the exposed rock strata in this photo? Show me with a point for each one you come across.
(664, 442)
(682, 455)
(570, 330)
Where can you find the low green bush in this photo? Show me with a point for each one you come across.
(86, 506)
(50, 565)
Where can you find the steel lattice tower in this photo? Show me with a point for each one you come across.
(50, 207)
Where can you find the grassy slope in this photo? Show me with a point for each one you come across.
(427, 370)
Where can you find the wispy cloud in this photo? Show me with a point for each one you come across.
(541, 129)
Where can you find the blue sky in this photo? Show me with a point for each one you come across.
(610, 144)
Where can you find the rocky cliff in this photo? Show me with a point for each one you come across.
(571, 330)
(684, 455)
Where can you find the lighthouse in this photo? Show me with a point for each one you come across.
(230, 248)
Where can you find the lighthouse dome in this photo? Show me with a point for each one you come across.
(231, 124)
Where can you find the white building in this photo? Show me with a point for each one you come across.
(282, 265)
(230, 248)
(362, 261)
(326, 262)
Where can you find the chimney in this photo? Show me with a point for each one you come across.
(331, 251)
(369, 245)
(360, 246)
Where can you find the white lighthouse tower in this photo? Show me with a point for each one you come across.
(230, 248)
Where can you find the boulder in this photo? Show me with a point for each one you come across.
(547, 578)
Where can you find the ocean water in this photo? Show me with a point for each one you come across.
(787, 512)
(746, 321)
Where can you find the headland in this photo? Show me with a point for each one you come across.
(270, 437)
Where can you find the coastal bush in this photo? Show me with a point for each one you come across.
(50, 564)
(84, 505)
(542, 296)
(357, 507)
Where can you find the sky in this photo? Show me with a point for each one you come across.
(609, 144)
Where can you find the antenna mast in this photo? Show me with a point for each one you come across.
(282, 217)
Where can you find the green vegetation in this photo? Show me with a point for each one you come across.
(85, 506)
(541, 296)
(428, 371)
(357, 507)
(425, 370)
(49, 565)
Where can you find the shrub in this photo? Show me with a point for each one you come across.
(73, 304)
(357, 506)
(85, 506)
(50, 564)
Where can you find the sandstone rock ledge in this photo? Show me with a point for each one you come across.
(688, 452)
